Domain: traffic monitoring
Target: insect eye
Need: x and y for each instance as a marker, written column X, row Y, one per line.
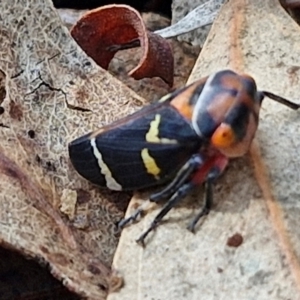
column 223, row 136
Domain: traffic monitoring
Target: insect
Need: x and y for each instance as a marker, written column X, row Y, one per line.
column 182, row 140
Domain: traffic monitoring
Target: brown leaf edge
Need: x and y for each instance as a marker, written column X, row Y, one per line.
column 10, row 169
column 112, row 281
column 103, row 31
column 292, row 7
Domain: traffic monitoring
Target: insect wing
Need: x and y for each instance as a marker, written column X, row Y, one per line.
column 136, row 152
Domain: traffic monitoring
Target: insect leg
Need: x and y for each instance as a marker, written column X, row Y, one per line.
column 208, row 170
column 208, row 202
column 134, row 216
column 179, row 195
column 220, row 163
column 189, row 167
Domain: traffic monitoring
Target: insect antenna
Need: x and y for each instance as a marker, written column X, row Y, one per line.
column 281, row 100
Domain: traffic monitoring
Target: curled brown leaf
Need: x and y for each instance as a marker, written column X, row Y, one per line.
column 105, row 30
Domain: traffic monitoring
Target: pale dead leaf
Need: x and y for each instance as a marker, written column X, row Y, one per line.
column 192, row 14
column 70, row 16
column 203, row 15
column 68, row 203
column 45, row 75
column 257, row 197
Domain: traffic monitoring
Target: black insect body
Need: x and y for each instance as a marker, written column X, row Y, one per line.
column 185, row 139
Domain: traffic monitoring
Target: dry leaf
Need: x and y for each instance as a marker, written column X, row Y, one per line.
column 105, row 30
column 70, row 16
column 191, row 14
column 54, row 93
column 204, row 14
